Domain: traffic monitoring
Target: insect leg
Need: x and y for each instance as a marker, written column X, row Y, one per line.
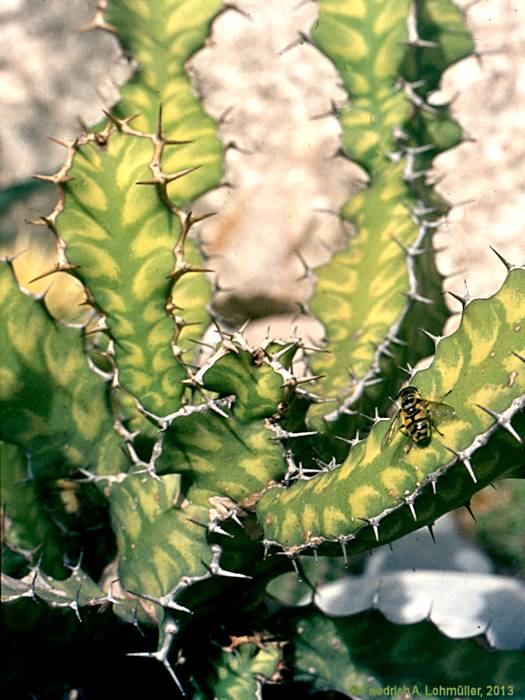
column 434, row 427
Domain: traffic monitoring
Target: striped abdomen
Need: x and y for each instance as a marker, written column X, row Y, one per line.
column 415, row 415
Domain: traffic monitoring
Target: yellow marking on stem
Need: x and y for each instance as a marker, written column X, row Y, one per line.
column 96, row 262
column 310, row 518
column 138, row 202
column 151, row 271
column 333, row 519
column 149, row 239
column 163, row 362
column 482, row 335
column 90, row 193
column 513, row 301
column 255, row 468
column 165, row 567
column 161, row 332
column 453, row 432
column 356, row 8
column 389, row 16
column 289, row 525
column 9, row 385
column 450, row 364
column 63, row 369
column 359, row 84
column 83, row 225
column 134, row 380
column 357, row 117
column 367, row 140
column 207, row 440
column 88, row 426
column 394, row 480
column 359, row 500
column 385, row 65
column 26, row 344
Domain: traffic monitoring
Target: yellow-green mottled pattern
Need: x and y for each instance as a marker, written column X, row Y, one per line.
column 258, row 389
column 222, row 456
column 31, row 527
column 53, row 406
column 442, row 23
column 122, row 237
column 157, row 540
column 475, row 365
column 359, row 295
column 161, row 35
column 371, row 268
column 367, row 48
column 237, row 674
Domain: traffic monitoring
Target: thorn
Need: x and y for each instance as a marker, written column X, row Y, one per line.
column 202, row 343
column 435, row 338
column 430, row 527
column 161, row 654
column 507, row 264
column 408, row 369
column 58, row 268
column 332, row 112
column 345, row 553
column 409, row 252
column 232, row 6
column 468, row 507
column 520, row 357
column 114, row 120
column 417, row 297
column 75, row 606
column 196, row 219
column 266, row 544
column 54, row 179
column 501, row 420
column 374, row 523
column 214, row 527
column 371, row 382
column 465, row 459
column 61, row 142
column 177, row 142
column 158, row 131
column 182, row 173
column 301, row 39
column 165, row 601
column 461, row 300
column 410, row 503
column 305, row 380
column 433, row 479
column 244, row 326
column 215, row 568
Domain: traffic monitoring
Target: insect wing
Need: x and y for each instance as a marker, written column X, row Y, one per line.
column 439, row 411
column 392, row 430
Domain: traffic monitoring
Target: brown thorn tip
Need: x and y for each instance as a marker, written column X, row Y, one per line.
column 503, row 260
column 159, row 123
column 177, row 142
column 196, row 219
column 181, row 173
column 153, row 181
column 64, row 268
column 112, row 119
column 60, row 142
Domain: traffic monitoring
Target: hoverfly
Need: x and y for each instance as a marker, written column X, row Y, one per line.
column 416, row 418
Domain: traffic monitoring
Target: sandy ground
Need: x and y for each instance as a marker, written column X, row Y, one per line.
column 281, row 161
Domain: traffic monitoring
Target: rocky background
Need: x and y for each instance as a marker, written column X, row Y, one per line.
column 272, row 93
